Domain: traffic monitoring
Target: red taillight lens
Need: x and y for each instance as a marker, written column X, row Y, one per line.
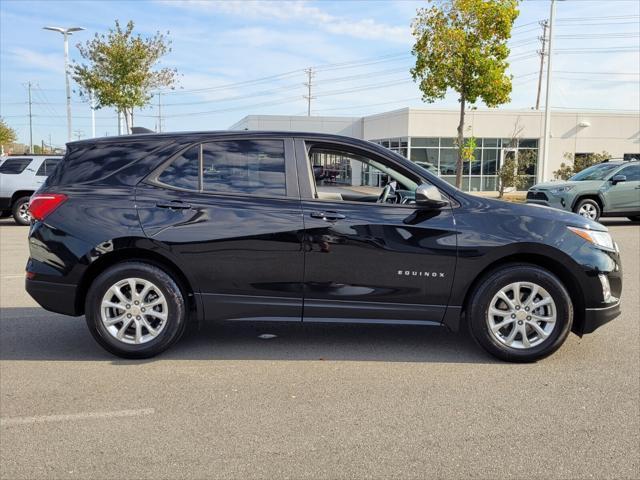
column 43, row 204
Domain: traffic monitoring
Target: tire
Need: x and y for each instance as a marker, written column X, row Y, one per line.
column 588, row 208
column 635, row 218
column 529, row 276
column 131, row 345
column 18, row 211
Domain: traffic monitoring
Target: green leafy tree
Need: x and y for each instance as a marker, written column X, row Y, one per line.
column 462, row 45
column 7, row 135
column 579, row 163
column 513, row 172
column 120, row 69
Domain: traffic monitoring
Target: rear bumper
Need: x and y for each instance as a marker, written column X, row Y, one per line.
column 596, row 317
column 55, row 297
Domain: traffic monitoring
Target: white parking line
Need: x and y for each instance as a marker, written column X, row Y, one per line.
column 5, row 422
column 13, row 276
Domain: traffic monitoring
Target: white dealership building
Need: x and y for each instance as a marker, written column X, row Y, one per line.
column 427, row 135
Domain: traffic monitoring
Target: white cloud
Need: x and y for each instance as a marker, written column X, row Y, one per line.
column 25, row 57
column 300, row 10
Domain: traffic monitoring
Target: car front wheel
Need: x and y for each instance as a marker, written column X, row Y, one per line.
column 135, row 310
column 520, row 313
column 588, row 208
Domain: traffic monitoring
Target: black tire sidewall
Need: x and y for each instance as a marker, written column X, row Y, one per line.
column 492, row 284
column 15, row 209
column 176, row 318
column 594, row 203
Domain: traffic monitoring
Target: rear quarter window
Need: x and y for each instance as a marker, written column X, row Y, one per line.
column 47, row 166
column 14, row 166
column 94, row 162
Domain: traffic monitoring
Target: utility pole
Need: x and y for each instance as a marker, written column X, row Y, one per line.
column 30, row 121
column 78, row 134
column 308, row 84
column 93, row 114
column 547, row 101
column 159, row 112
column 543, row 39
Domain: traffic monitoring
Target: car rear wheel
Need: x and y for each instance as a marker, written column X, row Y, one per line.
column 588, row 208
column 520, row 313
column 20, row 211
column 135, row 310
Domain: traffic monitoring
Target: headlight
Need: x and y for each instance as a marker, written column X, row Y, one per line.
column 559, row 190
column 600, row 239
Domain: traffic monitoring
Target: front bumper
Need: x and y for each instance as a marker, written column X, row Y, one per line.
column 596, row 317
column 549, row 200
column 55, row 297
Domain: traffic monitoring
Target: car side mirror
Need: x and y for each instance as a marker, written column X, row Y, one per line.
column 618, row 178
column 428, row 196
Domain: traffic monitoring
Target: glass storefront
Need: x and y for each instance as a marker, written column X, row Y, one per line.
column 439, row 155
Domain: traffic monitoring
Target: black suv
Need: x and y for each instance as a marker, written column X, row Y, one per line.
column 146, row 232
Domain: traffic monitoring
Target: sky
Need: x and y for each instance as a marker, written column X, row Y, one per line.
column 237, row 58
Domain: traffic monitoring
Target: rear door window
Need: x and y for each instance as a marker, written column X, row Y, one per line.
column 248, row 167
column 182, row 172
column 47, row 166
column 14, row 166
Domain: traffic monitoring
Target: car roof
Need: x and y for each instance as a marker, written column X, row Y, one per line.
column 212, row 134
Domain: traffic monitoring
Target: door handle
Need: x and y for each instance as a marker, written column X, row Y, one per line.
column 330, row 216
column 174, row 205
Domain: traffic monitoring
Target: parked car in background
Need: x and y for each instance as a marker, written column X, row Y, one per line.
column 145, row 233
column 608, row 189
column 20, row 177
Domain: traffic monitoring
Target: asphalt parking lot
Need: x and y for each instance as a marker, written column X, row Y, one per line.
column 313, row 402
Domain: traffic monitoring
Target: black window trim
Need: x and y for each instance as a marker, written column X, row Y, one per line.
column 291, row 182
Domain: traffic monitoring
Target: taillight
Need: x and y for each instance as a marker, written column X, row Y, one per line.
column 42, row 205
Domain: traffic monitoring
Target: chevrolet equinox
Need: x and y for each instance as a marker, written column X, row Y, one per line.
column 147, row 232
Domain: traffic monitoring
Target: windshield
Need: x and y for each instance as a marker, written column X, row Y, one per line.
column 596, row 172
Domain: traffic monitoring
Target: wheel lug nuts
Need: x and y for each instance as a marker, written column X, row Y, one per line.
column 526, row 309
column 528, row 318
column 519, row 322
column 142, row 309
column 513, row 315
column 138, row 317
column 136, row 302
column 128, row 315
column 517, row 307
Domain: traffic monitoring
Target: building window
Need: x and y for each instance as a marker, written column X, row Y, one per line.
column 439, row 154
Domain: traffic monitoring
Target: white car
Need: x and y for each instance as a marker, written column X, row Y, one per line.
column 20, row 177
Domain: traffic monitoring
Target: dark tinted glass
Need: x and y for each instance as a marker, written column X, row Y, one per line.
column 47, row 166
column 90, row 162
column 183, row 171
column 244, row 166
column 424, row 142
column 632, row 172
column 13, row 166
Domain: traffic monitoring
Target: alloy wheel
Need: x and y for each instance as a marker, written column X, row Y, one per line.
column 134, row 311
column 23, row 212
column 521, row 315
column 588, row 211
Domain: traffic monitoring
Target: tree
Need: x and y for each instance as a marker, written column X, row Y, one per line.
column 579, row 163
column 7, row 135
column 462, row 45
column 513, row 171
column 120, row 70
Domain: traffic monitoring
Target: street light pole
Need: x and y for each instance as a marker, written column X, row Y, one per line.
column 65, row 33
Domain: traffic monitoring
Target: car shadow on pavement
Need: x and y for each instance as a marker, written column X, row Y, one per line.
column 34, row 334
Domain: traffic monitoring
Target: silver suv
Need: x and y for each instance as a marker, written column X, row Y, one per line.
column 20, row 177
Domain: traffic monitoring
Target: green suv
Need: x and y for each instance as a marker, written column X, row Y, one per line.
column 609, row 189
